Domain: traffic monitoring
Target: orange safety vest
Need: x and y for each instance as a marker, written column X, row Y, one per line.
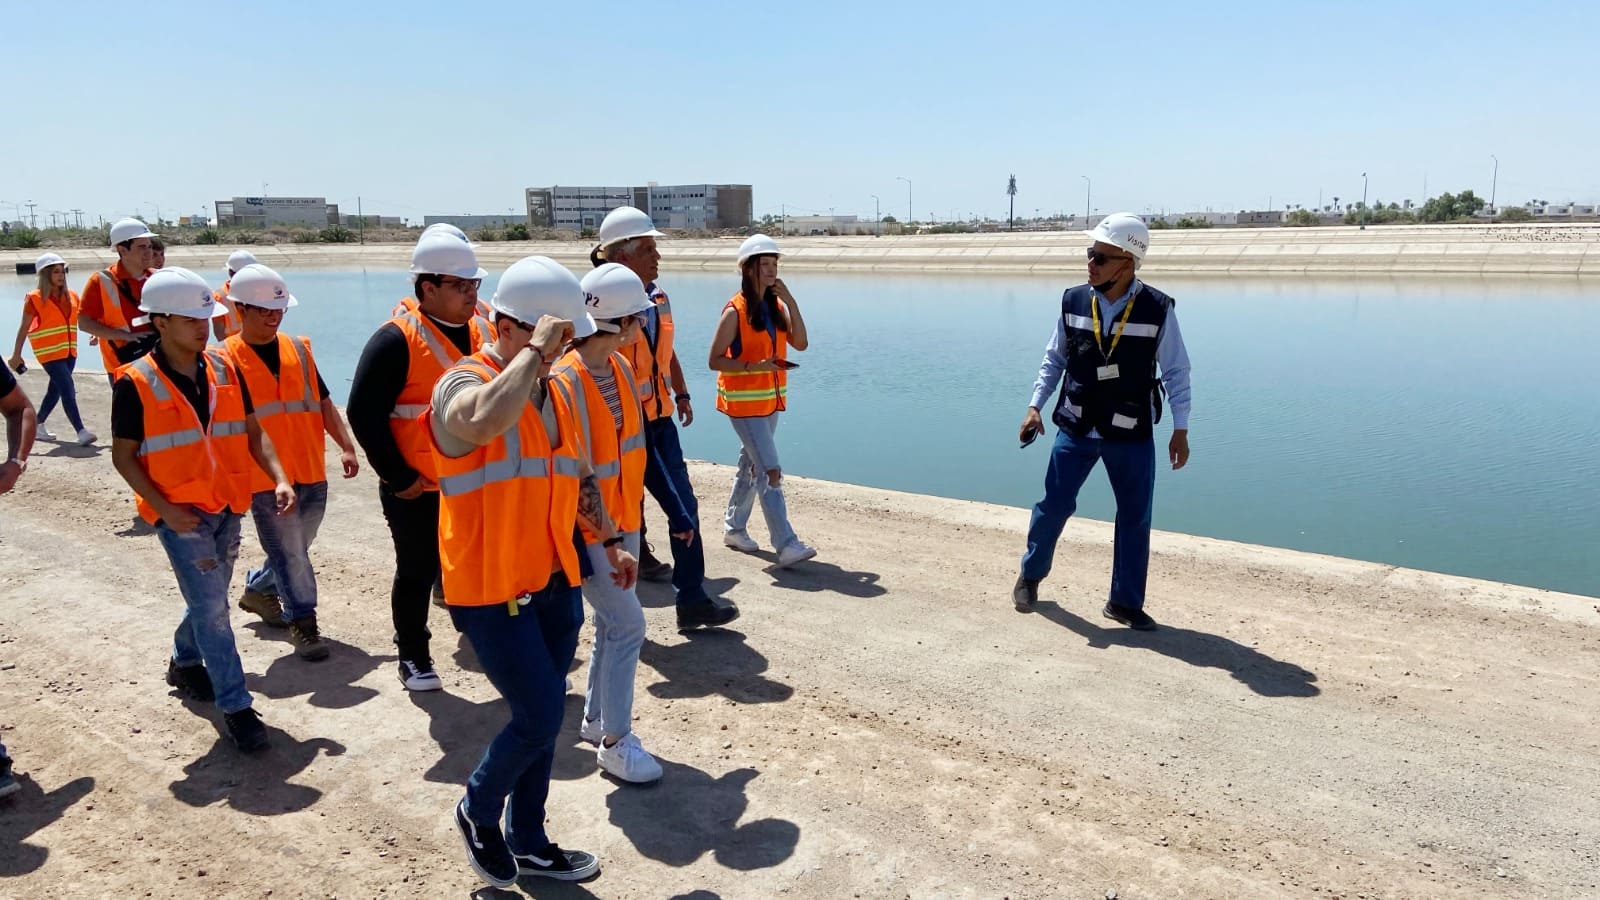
column 431, row 354
column 53, row 333
column 117, row 310
column 617, row 455
column 409, row 304
column 744, row 395
column 652, row 363
column 507, row 508
column 288, row 407
column 208, row 468
column 232, row 323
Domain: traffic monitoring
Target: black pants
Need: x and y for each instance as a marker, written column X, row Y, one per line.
column 414, row 525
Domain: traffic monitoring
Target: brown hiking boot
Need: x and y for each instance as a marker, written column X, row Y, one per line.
column 264, row 605
column 308, row 642
column 438, row 595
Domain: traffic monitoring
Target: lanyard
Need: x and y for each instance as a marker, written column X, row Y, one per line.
column 1116, row 337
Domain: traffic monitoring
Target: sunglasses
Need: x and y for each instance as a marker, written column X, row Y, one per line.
column 461, row 284
column 1100, row 259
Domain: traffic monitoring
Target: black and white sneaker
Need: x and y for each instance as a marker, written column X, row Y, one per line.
column 418, row 675
column 486, row 850
column 562, row 865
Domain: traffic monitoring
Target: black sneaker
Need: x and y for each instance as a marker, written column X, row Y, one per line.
column 708, row 614
column 1127, row 615
column 1025, row 593
column 8, row 781
column 554, row 862
column 307, row 641
column 267, row 606
column 418, row 675
column 246, row 730
column 486, row 850
column 191, row 681
column 652, row 569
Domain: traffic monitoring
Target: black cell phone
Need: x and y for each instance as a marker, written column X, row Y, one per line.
column 1030, row 436
column 785, row 364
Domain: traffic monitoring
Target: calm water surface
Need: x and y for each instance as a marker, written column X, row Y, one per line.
column 1449, row 426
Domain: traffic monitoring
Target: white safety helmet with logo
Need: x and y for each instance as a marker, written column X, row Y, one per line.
column 1124, row 230
column 442, row 253
column 176, row 291
column 238, row 259
column 625, row 223
column 613, row 292
column 537, row 286
column 129, row 230
column 47, row 260
column 757, row 245
column 256, row 285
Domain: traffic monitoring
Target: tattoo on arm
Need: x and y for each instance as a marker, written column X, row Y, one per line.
column 591, row 507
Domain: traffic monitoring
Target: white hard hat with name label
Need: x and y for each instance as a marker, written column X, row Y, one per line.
column 1124, row 230
column 129, row 230
column 757, row 245
column 47, row 260
column 625, row 223
column 613, row 291
column 238, row 259
column 537, row 286
column 257, row 285
column 442, row 253
column 176, row 291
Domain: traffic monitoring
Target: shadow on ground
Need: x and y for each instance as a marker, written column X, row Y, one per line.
column 814, row 576
column 331, row 683
column 257, row 784
column 688, row 814
column 712, row 661
column 1261, row 673
column 28, row 811
column 659, row 595
column 462, row 728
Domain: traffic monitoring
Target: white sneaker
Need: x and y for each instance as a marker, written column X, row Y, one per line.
column 796, row 552
column 591, row 731
column 44, row 434
column 419, row 676
column 740, row 541
column 628, row 761
column 86, row 437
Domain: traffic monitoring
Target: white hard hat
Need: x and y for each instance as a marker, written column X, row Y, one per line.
column 613, row 291
column 1124, row 230
column 129, row 229
column 257, row 285
column 238, row 259
column 47, row 260
column 757, row 245
column 442, row 253
column 625, row 223
column 176, row 291
column 537, row 286
column 444, row 228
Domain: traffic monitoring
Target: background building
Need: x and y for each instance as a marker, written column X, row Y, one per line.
column 264, row 212
column 671, row 206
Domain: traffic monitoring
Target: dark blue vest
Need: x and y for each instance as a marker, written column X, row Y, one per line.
column 1124, row 408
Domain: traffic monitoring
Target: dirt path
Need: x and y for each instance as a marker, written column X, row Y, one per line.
column 880, row 723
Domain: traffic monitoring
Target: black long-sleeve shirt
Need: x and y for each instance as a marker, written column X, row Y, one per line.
column 380, row 376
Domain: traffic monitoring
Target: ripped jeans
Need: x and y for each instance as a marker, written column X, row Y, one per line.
column 202, row 560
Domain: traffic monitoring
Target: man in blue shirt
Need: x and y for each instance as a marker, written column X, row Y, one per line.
column 1112, row 335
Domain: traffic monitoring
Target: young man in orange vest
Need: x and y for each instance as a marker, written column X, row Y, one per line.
column 111, row 298
column 393, row 383
column 20, row 425
column 627, row 236
column 227, row 325
column 294, row 407
column 515, row 482
column 185, row 438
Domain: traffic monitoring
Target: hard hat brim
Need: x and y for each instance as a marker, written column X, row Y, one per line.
column 652, row 233
column 292, row 302
column 217, row 312
column 481, row 274
column 581, row 328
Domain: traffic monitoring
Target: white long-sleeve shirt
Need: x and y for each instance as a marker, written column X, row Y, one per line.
column 1171, row 356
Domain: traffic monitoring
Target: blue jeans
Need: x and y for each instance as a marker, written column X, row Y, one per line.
column 526, row 657
column 287, row 541
column 1131, row 466
column 758, row 452
column 202, row 560
column 61, row 390
column 666, row 476
column 619, row 629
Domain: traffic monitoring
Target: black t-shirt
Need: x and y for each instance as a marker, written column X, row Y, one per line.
column 269, row 355
column 8, row 382
column 127, row 410
column 379, row 378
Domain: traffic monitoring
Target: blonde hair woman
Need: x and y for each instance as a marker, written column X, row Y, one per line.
column 50, row 323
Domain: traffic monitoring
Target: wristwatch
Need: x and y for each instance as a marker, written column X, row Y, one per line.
column 679, row 398
column 22, row 464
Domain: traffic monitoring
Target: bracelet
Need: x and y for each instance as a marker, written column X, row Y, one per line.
column 680, row 397
column 610, row 542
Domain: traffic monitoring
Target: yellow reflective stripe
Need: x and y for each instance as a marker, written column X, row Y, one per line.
column 408, row 410
column 763, row 394
column 171, row 440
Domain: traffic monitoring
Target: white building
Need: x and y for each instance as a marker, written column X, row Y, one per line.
column 670, row 206
column 264, row 212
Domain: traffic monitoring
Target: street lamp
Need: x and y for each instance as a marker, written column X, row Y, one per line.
column 1495, row 182
column 1363, row 201
column 877, row 216
column 908, row 196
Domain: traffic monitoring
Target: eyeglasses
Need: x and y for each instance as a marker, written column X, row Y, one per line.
column 461, row 284
column 1100, row 259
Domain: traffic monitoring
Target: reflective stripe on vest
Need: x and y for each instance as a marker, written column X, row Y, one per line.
column 288, row 406
column 753, row 394
column 190, row 465
column 55, row 334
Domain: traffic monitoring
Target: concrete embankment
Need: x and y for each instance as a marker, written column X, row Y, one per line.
column 1417, row 250
column 879, row 723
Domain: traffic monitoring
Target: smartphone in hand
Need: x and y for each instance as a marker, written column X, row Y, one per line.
column 1029, row 436
column 785, row 364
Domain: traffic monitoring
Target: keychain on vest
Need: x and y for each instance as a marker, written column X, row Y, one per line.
column 1109, row 371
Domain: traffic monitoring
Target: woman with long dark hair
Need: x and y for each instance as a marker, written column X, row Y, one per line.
column 750, row 356
column 50, row 324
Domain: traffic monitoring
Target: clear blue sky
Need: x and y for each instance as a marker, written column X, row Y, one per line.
column 456, row 107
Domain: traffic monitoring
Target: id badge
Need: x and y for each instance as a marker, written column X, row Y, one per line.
column 1121, row 421
column 1106, row 373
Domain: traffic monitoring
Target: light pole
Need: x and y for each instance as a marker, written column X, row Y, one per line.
column 1088, row 189
column 33, row 220
column 877, row 216
column 1363, row 201
column 908, row 196
column 1495, row 182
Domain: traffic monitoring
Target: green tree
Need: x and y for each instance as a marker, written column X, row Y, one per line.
column 1301, row 218
column 890, row 220
column 516, row 231
column 1514, row 214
